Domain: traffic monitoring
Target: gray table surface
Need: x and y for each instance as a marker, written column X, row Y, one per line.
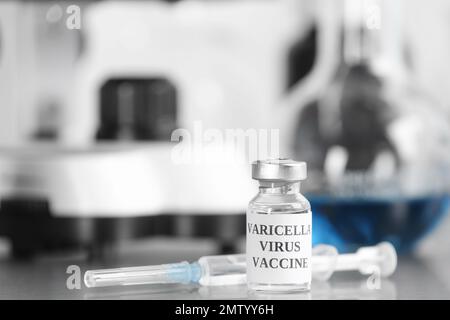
column 45, row 277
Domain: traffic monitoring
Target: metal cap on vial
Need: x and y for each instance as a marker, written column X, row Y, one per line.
column 279, row 169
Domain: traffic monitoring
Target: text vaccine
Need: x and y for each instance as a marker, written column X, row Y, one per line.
column 279, row 229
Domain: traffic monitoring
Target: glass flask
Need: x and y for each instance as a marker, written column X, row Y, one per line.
column 376, row 144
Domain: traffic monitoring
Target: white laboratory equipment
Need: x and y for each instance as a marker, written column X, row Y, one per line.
column 106, row 98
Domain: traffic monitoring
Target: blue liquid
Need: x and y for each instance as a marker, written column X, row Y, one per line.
column 349, row 223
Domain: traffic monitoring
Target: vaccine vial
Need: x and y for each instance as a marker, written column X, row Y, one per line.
column 279, row 229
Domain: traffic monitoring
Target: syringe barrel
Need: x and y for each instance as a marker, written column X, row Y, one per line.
column 348, row 261
column 223, row 270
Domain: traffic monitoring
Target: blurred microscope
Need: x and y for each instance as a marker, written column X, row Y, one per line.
column 88, row 109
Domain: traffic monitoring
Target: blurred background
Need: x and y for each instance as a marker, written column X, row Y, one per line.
column 91, row 93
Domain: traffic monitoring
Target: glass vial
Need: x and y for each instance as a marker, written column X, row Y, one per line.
column 279, row 229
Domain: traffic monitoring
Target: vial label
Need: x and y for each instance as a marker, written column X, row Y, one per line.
column 279, row 248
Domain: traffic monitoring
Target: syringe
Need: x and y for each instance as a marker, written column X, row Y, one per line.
column 231, row 269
